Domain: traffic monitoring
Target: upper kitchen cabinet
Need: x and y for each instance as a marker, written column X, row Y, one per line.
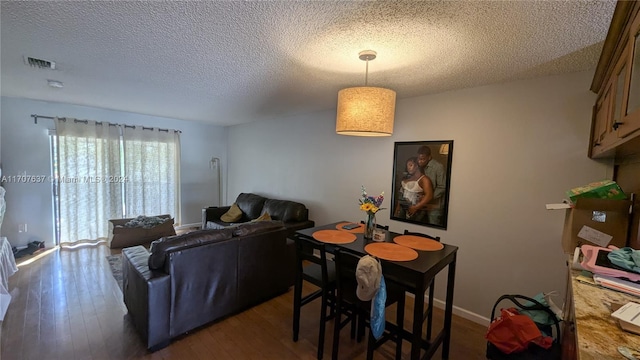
column 615, row 128
column 631, row 120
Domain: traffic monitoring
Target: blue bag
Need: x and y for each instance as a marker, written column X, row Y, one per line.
column 377, row 310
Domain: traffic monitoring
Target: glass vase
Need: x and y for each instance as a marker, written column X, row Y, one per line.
column 369, row 226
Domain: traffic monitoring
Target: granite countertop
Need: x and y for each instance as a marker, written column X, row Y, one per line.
column 598, row 335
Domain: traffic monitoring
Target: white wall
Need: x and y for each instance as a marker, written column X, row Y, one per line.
column 517, row 146
column 25, row 150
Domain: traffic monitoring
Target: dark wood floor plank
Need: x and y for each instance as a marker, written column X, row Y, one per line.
column 66, row 305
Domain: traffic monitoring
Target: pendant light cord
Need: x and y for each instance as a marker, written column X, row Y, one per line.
column 366, row 74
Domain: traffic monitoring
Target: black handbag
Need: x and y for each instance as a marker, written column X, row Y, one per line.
column 533, row 352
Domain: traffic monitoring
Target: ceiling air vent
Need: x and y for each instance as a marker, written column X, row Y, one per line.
column 40, row 63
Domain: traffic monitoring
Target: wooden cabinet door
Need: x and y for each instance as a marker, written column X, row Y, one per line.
column 603, row 132
column 631, row 101
column 619, row 92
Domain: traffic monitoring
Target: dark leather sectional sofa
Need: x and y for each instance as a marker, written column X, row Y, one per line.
column 189, row 280
column 294, row 215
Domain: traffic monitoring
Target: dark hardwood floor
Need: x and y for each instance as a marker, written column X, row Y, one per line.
column 66, row 305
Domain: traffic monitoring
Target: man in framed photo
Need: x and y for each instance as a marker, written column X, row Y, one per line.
column 435, row 171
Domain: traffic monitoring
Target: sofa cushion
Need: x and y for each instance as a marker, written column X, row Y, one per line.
column 256, row 227
column 285, row 210
column 264, row 217
column 160, row 247
column 250, row 204
column 234, row 214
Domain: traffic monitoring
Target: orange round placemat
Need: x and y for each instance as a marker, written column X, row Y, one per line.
column 334, row 236
column 390, row 251
column 358, row 230
column 418, row 243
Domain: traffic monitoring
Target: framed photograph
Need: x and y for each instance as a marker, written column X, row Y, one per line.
column 420, row 184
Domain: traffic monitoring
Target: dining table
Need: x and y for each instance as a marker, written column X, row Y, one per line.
column 413, row 273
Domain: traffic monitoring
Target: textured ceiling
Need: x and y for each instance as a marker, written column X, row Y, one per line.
column 235, row 62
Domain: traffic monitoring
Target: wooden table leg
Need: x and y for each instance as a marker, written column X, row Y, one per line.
column 418, row 316
column 449, row 309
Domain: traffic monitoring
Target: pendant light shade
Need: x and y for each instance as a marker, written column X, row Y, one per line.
column 366, row 110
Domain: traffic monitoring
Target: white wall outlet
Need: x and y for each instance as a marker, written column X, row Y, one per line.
column 22, row 227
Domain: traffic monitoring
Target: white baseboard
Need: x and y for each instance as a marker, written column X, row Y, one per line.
column 463, row 313
column 186, row 226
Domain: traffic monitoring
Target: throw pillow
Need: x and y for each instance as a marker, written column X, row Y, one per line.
column 234, row 214
column 263, row 217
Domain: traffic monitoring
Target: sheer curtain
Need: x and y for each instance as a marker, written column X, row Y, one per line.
column 88, row 157
column 152, row 171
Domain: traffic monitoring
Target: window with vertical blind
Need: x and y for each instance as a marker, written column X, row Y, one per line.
column 108, row 171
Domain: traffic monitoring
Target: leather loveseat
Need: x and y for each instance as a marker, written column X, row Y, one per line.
column 294, row 215
column 189, row 280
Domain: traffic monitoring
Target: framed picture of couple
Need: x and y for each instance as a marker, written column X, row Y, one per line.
column 421, row 178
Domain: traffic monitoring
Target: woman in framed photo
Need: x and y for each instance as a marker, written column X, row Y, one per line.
column 434, row 159
column 416, row 192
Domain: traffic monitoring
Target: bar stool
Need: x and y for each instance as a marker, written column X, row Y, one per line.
column 429, row 313
column 347, row 303
column 319, row 272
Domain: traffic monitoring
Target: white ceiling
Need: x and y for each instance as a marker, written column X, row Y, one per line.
column 236, row 62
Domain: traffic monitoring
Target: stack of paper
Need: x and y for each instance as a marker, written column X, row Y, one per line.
column 629, row 317
column 617, row 284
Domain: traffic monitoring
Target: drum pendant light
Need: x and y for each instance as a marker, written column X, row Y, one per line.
column 366, row 110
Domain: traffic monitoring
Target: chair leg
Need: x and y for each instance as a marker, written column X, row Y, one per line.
column 400, row 324
column 430, row 311
column 332, row 303
column 371, row 344
column 336, row 331
column 361, row 324
column 354, row 318
column 323, row 320
column 297, row 299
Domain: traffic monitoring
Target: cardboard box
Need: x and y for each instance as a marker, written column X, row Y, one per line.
column 605, row 189
column 602, row 221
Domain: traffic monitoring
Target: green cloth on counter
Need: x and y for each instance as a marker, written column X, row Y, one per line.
column 627, row 258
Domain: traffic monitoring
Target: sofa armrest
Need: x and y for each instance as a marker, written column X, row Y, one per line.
column 264, row 266
column 290, row 262
column 119, row 222
column 203, row 283
column 147, row 295
column 213, row 214
column 292, row 227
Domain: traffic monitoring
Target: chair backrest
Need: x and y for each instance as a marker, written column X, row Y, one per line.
column 314, row 252
column 436, row 238
column 346, row 264
column 378, row 226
